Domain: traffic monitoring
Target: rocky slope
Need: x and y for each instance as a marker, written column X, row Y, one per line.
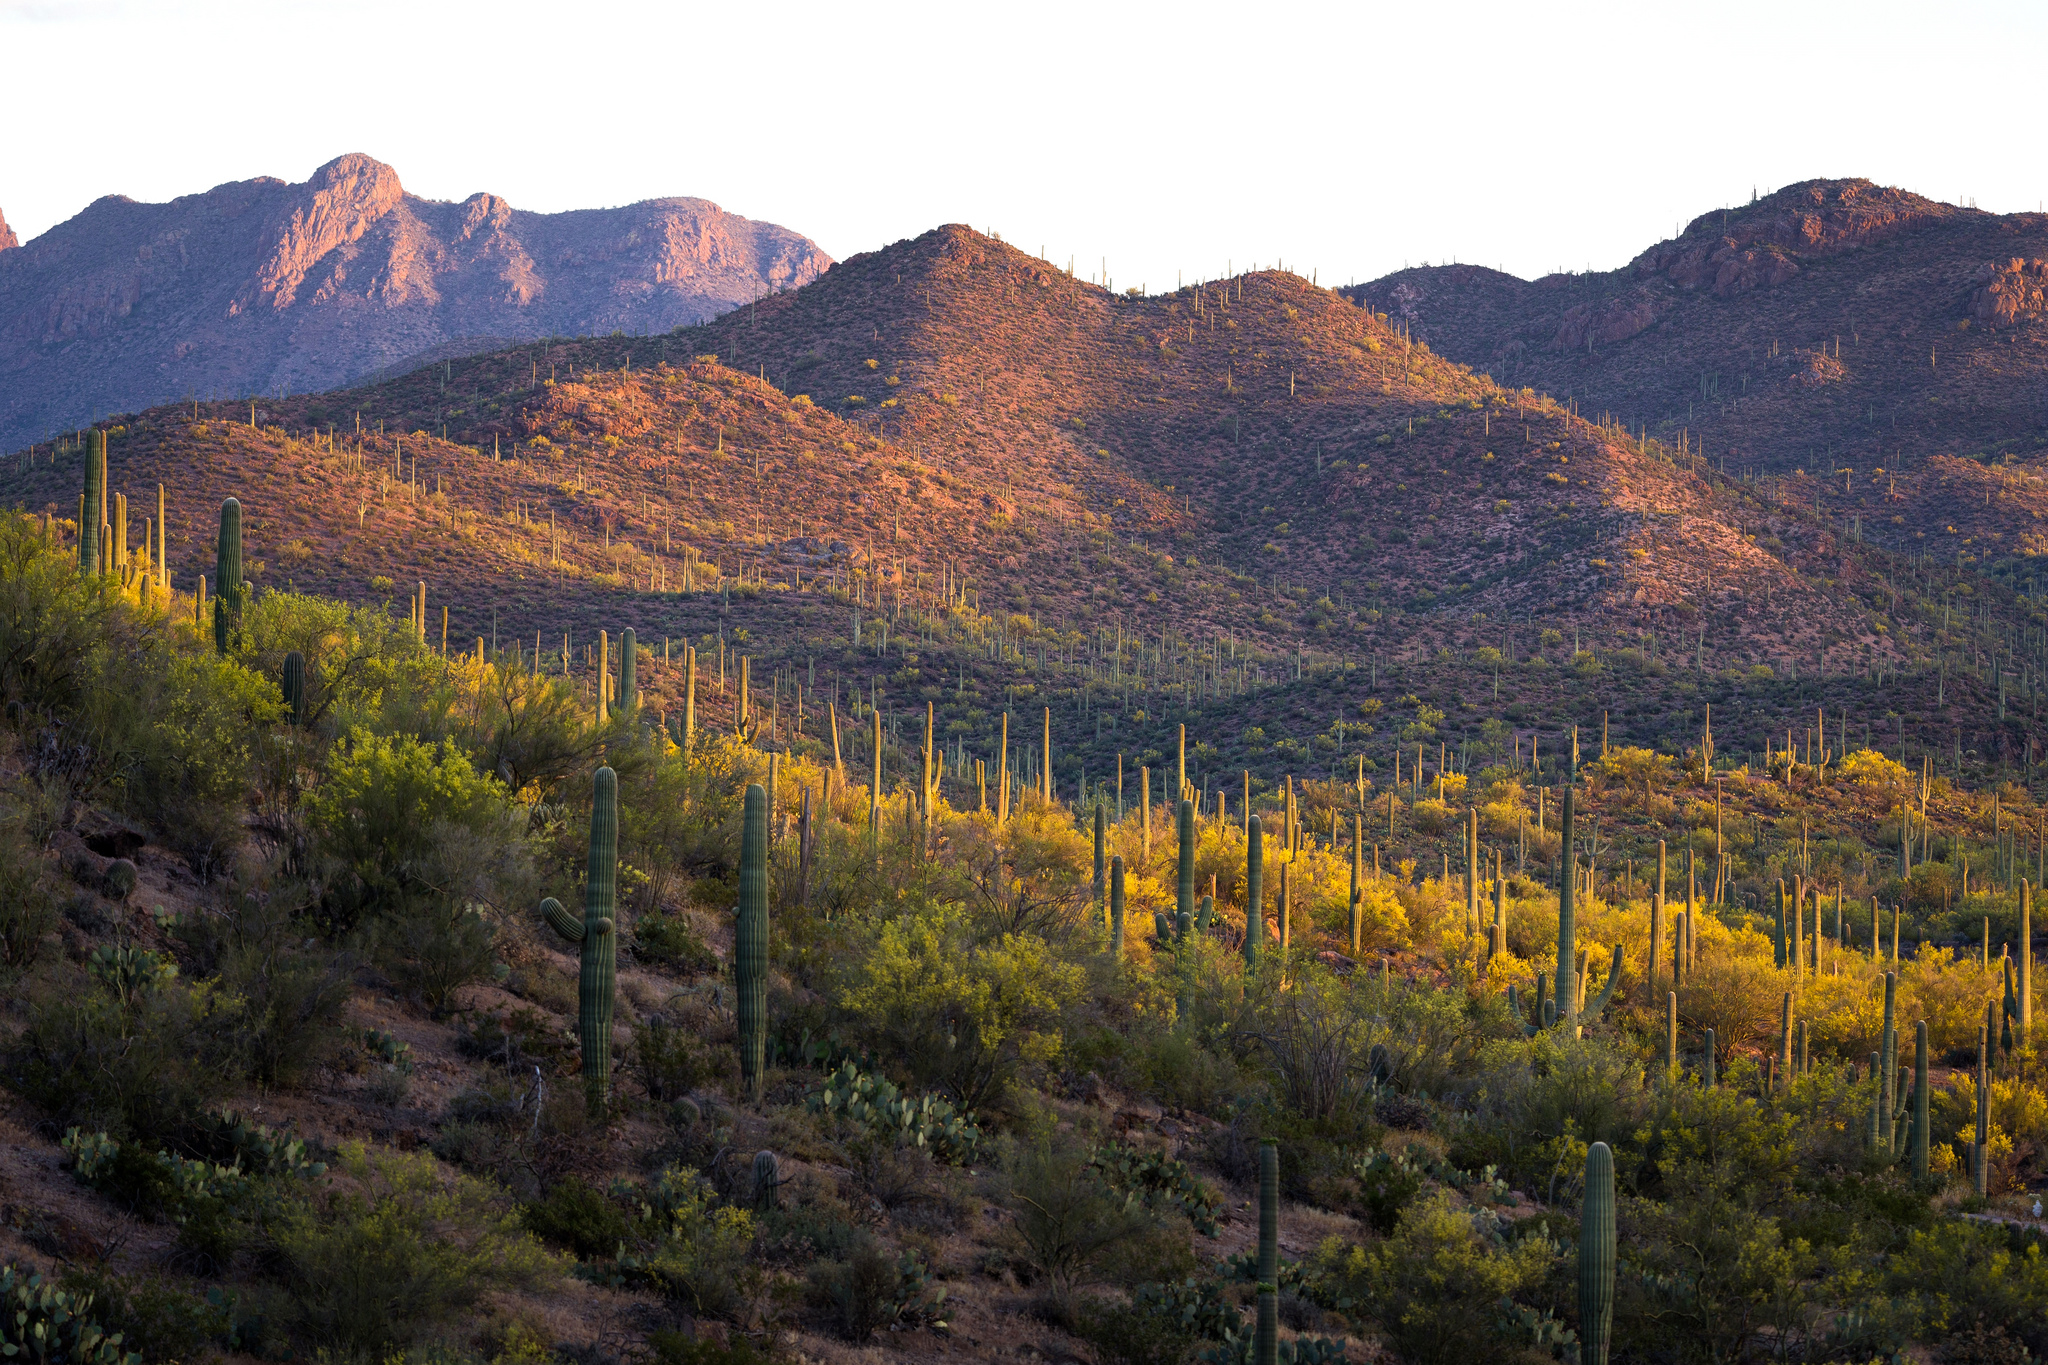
column 263, row 287
column 1834, row 324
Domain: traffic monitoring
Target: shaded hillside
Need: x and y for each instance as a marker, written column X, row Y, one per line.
column 1831, row 324
column 264, row 287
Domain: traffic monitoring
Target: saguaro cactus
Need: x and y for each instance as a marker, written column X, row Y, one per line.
column 1254, row 889
column 1116, row 907
column 1266, row 1337
column 90, row 507
column 1567, row 935
column 227, row 575
column 1099, row 886
column 1184, row 881
column 1596, row 1257
column 294, row 686
column 596, row 933
column 1920, row 1099
column 750, row 941
column 629, row 690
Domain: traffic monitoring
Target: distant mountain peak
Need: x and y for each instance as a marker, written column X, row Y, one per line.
column 264, row 286
column 7, row 237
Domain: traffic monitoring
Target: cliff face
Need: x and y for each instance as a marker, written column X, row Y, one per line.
column 259, row 286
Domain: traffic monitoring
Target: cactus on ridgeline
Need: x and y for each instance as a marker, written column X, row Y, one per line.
column 1266, row 1335
column 294, row 686
column 597, row 935
column 629, row 689
column 227, row 576
column 1254, row 889
column 1596, row 1257
column 750, row 941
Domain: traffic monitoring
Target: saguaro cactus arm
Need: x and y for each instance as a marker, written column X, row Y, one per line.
column 561, row 921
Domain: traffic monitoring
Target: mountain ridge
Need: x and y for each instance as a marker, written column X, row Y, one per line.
column 261, row 286
column 1832, row 319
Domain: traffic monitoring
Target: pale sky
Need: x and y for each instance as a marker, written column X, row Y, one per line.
column 1348, row 139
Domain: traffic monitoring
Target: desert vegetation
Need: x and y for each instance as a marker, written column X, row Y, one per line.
column 380, row 996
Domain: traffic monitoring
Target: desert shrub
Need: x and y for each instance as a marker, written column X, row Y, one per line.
column 411, row 834
column 675, row 1348
column 147, row 1065
column 869, row 1291
column 1721, row 1281
column 1954, row 1276
column 191, row 767
column 28, row 907
column 392, row 1247
column 668, row 1060
column 289, row 992
column 962, row 1012
column 1069, row 1222
column 578, row 1218
column 670, row 940
column 686, row 1245
column 1436, row 1286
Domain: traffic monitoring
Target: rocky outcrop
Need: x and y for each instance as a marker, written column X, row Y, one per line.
column 7, row 237
column 261, row 286
column 1758, row 246
column 1615, row 320
column 2007, row 291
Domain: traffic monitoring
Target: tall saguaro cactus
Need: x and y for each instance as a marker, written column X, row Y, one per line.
column 90, row 508
column 750, row 941
column 1266, row 1336
column 1116, row 907
column 597, row 935
column 629, row 690
column 1920, row 1099
column 1254, row 888
column 227, row 575
column 1567, row 932
column 294, row 686
column 1596, row 1257
column 1184, row 880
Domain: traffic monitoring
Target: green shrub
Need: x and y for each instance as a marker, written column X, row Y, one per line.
column 1437, row 1285
column 152, row 1066
column 579, row 1218
column 395, row 1248
column 28, row 907
column 868, row 1291
column 686, row 1245
column 668, row 1060
column 674, row 1348
column 670, row 940
column 1069, row 1223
